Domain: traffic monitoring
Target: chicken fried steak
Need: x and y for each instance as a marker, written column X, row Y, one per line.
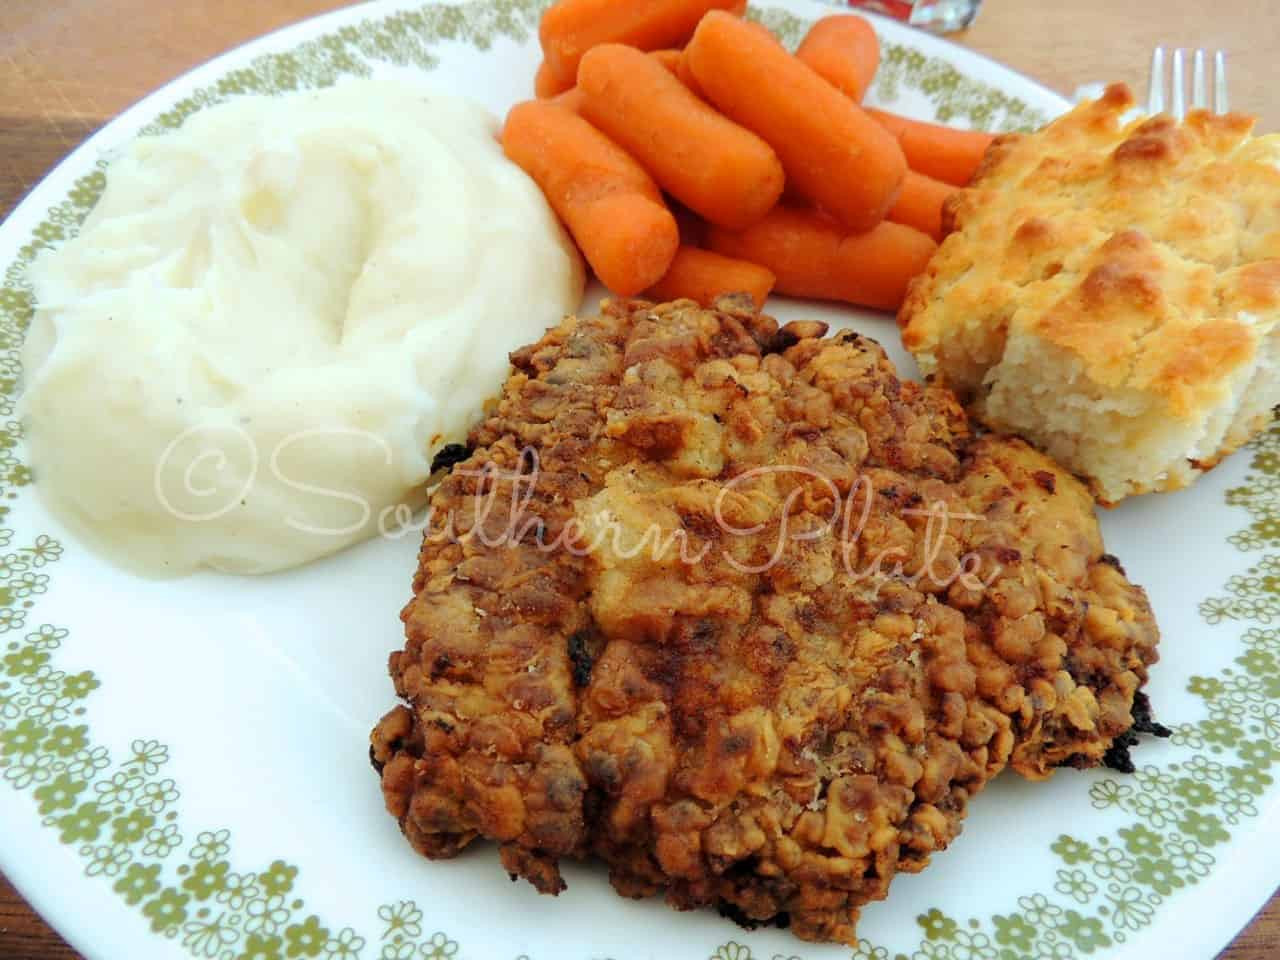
column 752, row 626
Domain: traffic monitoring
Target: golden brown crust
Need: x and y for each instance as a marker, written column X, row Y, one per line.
column 762, row 723
column 1140, row 258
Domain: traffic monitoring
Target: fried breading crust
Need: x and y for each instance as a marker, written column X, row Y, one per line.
column 800, row 705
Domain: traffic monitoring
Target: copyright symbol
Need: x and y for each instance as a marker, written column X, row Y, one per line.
column 201, row 454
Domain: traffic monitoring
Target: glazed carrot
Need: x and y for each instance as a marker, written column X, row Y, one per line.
column 833, row 153
column 944, row 153
column 702, row 275
column 710, row 164
column 813, row 256
column 844, row 51
column 572, row 27
column 546, row 84
column 610, row 205
column 920, row 204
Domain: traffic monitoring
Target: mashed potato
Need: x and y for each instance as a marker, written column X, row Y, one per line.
column 275, row 316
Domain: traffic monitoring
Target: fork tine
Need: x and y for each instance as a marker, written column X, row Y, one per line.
column 1177, row 102
column 1220, row 104
column 1155, row 85
column 1199, row 97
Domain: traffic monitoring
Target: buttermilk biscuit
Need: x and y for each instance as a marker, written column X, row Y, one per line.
column 1110, row 291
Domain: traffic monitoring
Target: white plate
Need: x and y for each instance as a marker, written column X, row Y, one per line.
column 185, row 764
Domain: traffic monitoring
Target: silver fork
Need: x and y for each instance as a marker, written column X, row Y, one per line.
column 1177, row 84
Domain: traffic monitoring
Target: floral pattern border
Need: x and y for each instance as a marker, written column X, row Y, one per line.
column 121, row 813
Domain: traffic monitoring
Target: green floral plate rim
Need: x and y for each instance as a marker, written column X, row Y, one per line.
column 115, row 810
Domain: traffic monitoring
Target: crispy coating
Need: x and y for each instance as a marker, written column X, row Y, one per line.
column 725, row 644
column 1109, row 289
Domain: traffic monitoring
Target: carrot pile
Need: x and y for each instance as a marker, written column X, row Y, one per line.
column 691, row 155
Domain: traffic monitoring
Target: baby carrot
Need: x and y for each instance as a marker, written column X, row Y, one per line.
column 920, row 204
column 572, row 98
column 710, row 164
column 702, row 275
column 944, row 153
column 572, row 27
column 610, row 205
column 546, row 84
column 833, row 153
column 813, row 256
column 844, row 51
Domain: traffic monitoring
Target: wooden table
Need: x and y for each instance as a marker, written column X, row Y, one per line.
column 67, row 66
